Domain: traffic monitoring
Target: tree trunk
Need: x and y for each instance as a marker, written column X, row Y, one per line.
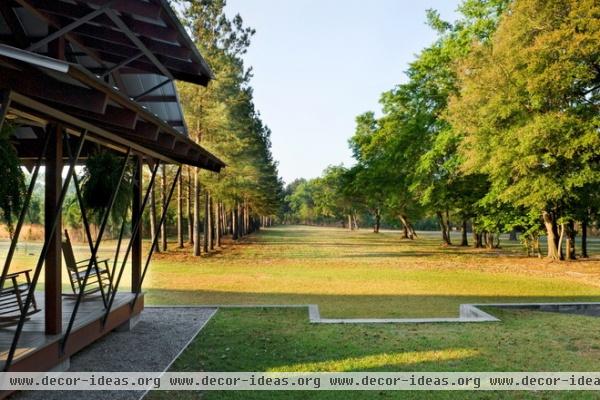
column 570, row 246
column 206, row 238
column 584, row 225
column 464, row 241
column 234, row 223
column 553, row 241
column 196, row 219
column 350, row 227
column 377, row 221
column 163, row 200
column 218, row 225
column 448, row 227
column 189, row 207
column 404, row 232
column 180, row 211
column 409, row 230
column 246, row 217
column 153, row 222
column 561, row 238
column 212, row 222
column 444, row 228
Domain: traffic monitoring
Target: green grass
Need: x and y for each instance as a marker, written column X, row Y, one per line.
column 354, row 274
column 283, row 340
column 361, row 274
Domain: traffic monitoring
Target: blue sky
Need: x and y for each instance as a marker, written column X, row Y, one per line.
column 319, row 63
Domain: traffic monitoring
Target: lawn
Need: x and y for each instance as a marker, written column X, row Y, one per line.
column 355, row 274
column 271, row 339
column 361, row 274
column 352, row 274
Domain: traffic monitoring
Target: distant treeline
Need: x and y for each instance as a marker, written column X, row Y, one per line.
column 496, row 130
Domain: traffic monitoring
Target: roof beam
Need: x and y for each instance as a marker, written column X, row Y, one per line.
column 113, row 36
column 58, row 92
column 116, row 116
column 76, row 11
column 4, row 104
column 33, row 7
column 149, row 55
column 157, row 99
column 68, row 28
column 147, row 10
column 181, row 148
column 9, row 15
column 122, row 64
column 116, row 55
column 166, row 140
column 146, row 130
column 152, row 89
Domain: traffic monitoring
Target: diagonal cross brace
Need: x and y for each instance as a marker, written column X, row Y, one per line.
column 44, row 253
column 134, row 232
column 155, row 239
column 95, row 249
column 139, row 44
column 68, row 28
column 22, row 215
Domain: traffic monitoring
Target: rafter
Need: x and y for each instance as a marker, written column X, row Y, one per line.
column 58, row 92
column 149, row 55
column 52, row 21
column 147, row 10
column 9, row 15
column 68, row 28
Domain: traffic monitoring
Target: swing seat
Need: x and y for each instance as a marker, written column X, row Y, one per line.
column 99, row 281
column 12, row 298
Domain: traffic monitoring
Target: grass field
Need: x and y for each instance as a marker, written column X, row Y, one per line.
column 357, row 274
column 283, row 340
column 363, row 274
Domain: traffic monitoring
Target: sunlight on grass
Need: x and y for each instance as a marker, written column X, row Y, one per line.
column 378, row 361
column 353, row 274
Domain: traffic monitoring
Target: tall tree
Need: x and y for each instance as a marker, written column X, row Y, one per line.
column 528, row 107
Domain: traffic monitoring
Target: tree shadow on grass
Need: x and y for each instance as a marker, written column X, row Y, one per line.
column 351, row 306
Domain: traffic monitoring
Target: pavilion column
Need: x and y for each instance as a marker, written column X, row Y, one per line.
column 136, row 215
column 53, row 261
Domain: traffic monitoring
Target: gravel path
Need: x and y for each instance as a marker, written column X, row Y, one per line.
column 156, row 340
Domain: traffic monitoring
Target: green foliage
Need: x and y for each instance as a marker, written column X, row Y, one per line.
column 12, row 180
column 223, row 117
column 528, row 108
column 497, row 123
column 100, row 179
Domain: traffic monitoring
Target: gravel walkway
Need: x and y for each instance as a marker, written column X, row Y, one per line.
column 156, row 340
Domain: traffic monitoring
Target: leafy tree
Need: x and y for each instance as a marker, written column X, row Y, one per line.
column 528, row 107
column 12, row 184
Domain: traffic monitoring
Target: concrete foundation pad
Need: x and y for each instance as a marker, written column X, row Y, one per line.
column 129, row 324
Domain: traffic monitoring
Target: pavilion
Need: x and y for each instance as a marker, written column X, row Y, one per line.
column 75, row 75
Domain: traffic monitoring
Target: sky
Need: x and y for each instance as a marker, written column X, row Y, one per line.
column 318, row 64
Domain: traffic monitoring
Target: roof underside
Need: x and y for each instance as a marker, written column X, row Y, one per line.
column 135, row 46
column 56, row 91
